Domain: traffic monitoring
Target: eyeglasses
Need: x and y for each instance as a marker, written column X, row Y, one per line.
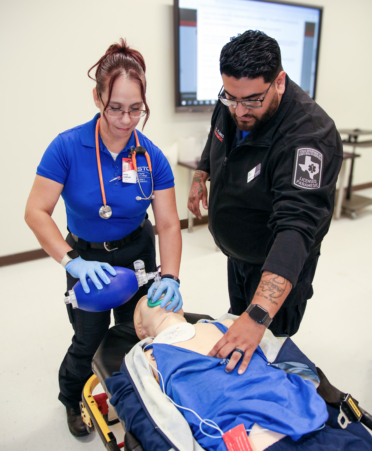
column 118, row 112
column 250, row 104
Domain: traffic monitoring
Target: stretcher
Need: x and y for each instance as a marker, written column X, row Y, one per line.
column 109, row 358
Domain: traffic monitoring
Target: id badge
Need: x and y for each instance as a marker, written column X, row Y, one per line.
column 128, row 173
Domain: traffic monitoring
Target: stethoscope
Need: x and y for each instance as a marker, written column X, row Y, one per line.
column 105, row 211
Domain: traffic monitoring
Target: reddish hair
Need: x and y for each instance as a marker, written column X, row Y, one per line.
column 118, row 60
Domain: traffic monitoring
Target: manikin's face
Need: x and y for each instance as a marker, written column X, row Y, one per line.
column 252, row 89
column 126, row 95
column 148, row 319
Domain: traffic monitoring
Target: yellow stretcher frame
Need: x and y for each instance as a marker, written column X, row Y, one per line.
column 93, row 417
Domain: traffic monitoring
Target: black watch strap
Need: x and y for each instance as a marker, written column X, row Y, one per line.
column 259, row 314
column 73, row 254
column 171, row 276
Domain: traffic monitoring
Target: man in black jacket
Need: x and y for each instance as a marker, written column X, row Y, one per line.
column 271, row 193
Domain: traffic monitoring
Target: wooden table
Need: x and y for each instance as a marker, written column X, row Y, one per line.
column 341, row 189
column 352, row 203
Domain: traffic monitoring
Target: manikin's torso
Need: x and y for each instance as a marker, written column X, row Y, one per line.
column 206, row 336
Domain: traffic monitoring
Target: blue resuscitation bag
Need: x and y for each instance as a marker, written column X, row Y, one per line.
column 121, row 289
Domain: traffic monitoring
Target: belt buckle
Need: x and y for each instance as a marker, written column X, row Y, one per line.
column 107, row 249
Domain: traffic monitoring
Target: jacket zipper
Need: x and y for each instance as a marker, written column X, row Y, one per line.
column 220, row 188
column 217, row 198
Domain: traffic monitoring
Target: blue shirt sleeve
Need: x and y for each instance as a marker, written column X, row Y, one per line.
column 54, row 164
column 162, row 172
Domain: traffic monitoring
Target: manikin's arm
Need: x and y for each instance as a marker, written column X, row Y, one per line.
column 245, row 334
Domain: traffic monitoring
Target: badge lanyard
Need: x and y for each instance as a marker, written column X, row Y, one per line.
column 105, row 211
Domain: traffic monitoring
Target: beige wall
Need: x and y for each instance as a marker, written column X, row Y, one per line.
column 47, row 47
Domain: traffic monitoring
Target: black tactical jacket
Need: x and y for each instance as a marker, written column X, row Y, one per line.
column 272, row 194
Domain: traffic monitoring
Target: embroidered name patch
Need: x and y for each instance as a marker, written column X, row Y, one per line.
column 253, row 173
column 307, row 168
column 143, row 174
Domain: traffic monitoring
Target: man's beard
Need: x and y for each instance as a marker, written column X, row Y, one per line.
column 258, row 123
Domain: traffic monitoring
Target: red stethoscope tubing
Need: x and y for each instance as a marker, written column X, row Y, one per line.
column 133, row 160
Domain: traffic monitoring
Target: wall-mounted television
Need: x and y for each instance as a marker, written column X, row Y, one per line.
column 203, row 27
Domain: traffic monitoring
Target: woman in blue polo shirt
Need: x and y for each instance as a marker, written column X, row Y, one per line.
column 106, row 216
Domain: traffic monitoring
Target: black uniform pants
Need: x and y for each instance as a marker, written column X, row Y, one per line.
column 243, row 280
column 91, row 327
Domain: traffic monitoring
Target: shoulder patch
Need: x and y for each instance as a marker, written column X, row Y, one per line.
column 307, row 168
column 220, row 136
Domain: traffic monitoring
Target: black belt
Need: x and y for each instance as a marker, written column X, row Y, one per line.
column 109, row 246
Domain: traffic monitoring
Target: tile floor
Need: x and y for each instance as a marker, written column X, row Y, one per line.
column 336, row 332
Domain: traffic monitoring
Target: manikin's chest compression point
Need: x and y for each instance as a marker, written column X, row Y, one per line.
column 176, row 333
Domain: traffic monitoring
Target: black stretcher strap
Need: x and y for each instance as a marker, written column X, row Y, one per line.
column 345, row 401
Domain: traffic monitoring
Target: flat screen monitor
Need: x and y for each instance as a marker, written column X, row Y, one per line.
column 203, row 27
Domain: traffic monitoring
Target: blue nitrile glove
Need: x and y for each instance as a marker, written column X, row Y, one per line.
column 81, row 269
column 171, row 289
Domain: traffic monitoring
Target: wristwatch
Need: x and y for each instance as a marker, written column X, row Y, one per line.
column 259, row 314
column 70, row 255
column 171, row 276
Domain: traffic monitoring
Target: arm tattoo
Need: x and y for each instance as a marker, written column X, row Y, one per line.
column 272, row 287
column 266, row 297
column 198, row 176
column 197, row 180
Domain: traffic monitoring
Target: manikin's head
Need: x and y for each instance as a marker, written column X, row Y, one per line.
column 150, row 321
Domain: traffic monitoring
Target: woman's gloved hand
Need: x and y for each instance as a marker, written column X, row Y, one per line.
column 171, row 289
column 81, row 269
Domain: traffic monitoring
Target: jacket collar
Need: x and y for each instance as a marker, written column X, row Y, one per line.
column 265, row 135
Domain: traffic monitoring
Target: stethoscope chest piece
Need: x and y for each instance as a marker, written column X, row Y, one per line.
column 105, row 212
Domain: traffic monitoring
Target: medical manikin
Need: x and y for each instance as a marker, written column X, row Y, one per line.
column 267, row 401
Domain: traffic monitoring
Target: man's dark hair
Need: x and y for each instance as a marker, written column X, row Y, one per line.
column 252, row 54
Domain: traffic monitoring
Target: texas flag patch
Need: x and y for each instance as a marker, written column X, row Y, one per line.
column 307, row 168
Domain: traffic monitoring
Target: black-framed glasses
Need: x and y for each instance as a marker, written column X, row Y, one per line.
column 118, row 112
column 250, row 104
